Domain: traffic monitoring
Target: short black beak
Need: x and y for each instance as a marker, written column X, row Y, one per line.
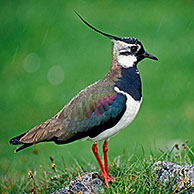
column 147, row 55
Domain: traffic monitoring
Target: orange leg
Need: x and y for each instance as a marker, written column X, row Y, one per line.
column 95, row 151
column 103, row 170
column 105, row 150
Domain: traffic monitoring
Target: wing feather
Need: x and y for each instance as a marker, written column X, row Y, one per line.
column 103, row 115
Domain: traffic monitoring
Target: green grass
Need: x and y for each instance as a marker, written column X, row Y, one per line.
column 134, row 174
column 37, row 36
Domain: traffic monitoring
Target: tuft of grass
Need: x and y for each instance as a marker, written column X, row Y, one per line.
column 134, row 174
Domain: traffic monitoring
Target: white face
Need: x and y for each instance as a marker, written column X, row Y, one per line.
column 125, row 53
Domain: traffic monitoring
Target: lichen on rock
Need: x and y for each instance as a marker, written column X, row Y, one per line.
column 180, row 177
column 85, row 183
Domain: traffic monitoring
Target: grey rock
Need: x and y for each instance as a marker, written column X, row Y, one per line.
column 86, row 183
column 180, row 177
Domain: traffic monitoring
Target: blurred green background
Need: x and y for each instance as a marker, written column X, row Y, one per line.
column 48, row 55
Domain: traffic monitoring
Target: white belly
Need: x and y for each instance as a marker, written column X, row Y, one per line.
column 132, row 108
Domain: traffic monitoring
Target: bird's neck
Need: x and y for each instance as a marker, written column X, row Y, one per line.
column 126, row 79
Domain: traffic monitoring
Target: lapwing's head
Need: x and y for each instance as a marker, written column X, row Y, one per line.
column 128, row 51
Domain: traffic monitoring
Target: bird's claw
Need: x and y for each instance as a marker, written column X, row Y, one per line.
column 107, row 178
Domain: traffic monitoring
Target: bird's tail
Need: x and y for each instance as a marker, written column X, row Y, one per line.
column 16, row 141
column 46, row 131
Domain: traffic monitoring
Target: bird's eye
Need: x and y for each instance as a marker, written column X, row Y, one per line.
column 126, row 53
column 133, row 48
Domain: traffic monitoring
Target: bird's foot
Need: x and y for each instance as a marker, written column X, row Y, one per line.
column 107, row 178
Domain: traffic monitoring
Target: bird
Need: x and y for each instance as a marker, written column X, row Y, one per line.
column 102, row 109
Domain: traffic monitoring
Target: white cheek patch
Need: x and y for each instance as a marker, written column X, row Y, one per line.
column 126, row 61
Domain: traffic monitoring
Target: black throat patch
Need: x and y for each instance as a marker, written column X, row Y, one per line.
column 130, row 82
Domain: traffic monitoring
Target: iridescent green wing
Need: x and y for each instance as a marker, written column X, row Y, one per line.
column 91, row 112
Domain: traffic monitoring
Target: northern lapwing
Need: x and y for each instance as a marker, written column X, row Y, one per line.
column 102, row 109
